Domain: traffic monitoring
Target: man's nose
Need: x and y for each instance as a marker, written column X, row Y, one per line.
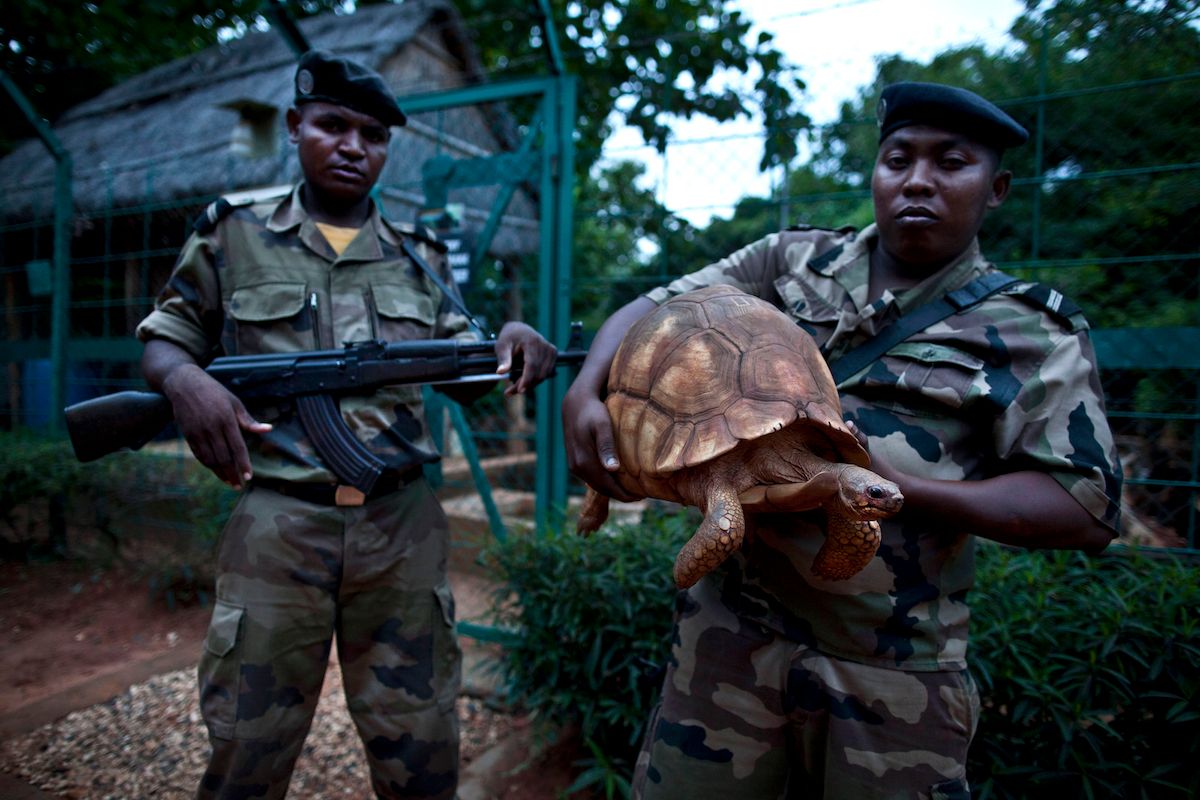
column 351, row 143
column 919, row 179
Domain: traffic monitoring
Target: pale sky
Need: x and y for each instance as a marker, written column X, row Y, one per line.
column 835, row 43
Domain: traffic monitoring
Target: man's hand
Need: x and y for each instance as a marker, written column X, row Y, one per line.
column 587, row 428
column 591, row 448
column 212, row 419
column 517, row 341
column 209, row 416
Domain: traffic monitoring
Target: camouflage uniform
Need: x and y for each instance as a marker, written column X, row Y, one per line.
column 292, row 573
column 784, row 684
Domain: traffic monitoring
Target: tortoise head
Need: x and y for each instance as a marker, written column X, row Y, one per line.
column 867, row 495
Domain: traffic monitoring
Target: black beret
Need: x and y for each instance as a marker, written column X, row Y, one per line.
column 324, row 77
column 949, row 108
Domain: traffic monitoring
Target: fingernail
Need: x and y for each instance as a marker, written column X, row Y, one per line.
column 611, row 463
column 246, row 476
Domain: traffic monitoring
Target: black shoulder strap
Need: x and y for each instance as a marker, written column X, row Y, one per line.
column 919, row 319
column 216, row 211
column 451, row 296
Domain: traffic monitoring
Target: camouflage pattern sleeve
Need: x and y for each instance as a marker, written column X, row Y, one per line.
column 1058, row 422
column 188, row 310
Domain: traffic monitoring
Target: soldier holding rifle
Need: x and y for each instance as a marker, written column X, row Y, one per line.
column 304, row 556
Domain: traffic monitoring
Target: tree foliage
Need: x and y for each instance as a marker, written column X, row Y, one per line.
column 647, row 61
column 1104, row 89
column 640, row 61
column 60, row 54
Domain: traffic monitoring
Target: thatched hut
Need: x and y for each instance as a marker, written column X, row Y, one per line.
column 151, row 152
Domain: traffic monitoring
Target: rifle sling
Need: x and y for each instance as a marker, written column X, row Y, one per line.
column 917, row 320
column 458, row 304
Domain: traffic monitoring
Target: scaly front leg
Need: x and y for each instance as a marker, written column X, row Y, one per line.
column 718, row 536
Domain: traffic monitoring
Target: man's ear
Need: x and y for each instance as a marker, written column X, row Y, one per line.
column 1001, row 183
column 293, row 125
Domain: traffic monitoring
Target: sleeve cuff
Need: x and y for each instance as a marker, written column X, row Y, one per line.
column 160, row 325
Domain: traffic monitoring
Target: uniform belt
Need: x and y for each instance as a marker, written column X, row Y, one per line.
column 334, row 494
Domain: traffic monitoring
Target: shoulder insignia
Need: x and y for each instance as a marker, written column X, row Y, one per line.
column 1051, row 301
column 826, row 258
column 224, row 205
column 829, row 243
column 216, row 211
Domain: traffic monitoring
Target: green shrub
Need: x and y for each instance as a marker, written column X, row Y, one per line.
column 595, row 620
column 157, row 513
column 1089, row 670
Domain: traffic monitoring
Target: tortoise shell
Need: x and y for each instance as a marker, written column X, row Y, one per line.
column 714, row 367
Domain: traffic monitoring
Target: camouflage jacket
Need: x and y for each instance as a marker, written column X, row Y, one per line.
column 1010, row 384
column 258, row 277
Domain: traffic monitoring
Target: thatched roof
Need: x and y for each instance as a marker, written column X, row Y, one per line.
column 165, row 135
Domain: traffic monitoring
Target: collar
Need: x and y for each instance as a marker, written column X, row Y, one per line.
column 852, row 267
column 291, row 214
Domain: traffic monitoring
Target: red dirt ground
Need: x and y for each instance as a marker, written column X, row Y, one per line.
column 71, row 632
column 64, row 625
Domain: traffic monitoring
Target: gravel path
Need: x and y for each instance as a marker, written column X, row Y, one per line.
column 149, row 742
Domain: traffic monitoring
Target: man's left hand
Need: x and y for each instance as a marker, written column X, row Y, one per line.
column 520, row 343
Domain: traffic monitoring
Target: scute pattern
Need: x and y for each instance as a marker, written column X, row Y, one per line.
column 692, row 392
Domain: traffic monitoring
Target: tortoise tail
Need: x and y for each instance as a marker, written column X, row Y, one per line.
column 593, row 513
column 719, row 535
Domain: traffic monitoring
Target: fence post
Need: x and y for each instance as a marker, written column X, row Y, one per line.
column 554, row 294
column 61, row 280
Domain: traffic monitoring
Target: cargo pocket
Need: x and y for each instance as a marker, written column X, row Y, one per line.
column 404, row 311
column 447, row 654
column 926, row 378
column 271, row 317
column 220, row 669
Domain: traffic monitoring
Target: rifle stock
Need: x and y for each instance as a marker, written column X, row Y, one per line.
column 106, row 424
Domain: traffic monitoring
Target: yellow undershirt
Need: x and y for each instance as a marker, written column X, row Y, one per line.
column 339, row 238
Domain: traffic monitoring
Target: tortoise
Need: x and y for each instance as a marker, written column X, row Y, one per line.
column 718, row 400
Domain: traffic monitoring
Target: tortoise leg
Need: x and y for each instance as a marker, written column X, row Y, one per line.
column 850, row 544
column 592, row 513
column 718, row 536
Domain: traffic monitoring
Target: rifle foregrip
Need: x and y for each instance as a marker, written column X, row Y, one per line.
column 123, row 420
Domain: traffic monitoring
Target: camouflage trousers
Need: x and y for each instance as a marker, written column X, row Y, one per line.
column 748, row 713
column 293, row 575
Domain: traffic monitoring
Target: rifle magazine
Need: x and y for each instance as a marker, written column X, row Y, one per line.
column 349, row 459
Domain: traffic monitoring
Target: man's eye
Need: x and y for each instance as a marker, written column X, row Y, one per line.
column 896, row 162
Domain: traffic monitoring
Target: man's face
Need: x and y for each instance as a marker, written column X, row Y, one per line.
column 341, row 151
column 931, row 189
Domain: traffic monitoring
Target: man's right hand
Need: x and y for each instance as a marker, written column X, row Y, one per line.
column 212, row 419
column 591, row 448
column 587, row 428
column 209, row 416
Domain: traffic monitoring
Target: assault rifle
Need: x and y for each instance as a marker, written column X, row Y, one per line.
column 313, row 381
